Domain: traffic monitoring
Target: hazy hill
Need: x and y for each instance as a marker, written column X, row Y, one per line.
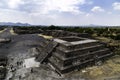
column 14, row 24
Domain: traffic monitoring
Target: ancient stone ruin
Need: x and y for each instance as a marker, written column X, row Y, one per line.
column 71, row 53
column 61, row 33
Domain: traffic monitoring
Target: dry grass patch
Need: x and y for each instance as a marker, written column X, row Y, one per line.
column 45, row 36
column 12, row 31
column 110, row 68
column 2, row 30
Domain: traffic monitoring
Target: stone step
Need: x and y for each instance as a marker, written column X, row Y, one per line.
column 61, row 57
column 79, row 51
column 46, row 52
column 66, row 69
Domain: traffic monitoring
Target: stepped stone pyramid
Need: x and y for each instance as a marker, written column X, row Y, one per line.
column 66, row 54
column 72, row 53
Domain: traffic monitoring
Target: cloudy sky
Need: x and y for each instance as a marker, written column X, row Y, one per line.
column 61, row 12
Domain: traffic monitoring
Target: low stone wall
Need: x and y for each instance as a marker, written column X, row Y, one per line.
column 61, row 33
column 27, row 30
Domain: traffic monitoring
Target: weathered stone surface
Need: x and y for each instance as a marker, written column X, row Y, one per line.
column 46, row 52
column 2, row 40
column 3, row 70
column 61, row 33
column 75, row 53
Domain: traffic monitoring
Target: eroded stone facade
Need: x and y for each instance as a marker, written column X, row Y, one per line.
column 75, row 53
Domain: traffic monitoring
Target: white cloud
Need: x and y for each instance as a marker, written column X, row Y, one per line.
column 116, row 6
column 58, row 19
column 90, row 2
column 1, row 4
column 88, row 14
column 14, row 3
column 97, row 9
column 109, row 12
column 46, row 6
column 7, row 15
column 56, row 12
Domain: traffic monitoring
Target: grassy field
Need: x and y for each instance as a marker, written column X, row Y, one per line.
column 110, row 69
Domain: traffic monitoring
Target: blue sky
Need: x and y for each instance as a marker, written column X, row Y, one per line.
column 61, row 12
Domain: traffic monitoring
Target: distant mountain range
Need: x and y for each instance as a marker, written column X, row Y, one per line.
column 26, row 24
column 14, row 24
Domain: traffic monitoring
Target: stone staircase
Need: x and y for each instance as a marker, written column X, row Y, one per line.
column 46, row 52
